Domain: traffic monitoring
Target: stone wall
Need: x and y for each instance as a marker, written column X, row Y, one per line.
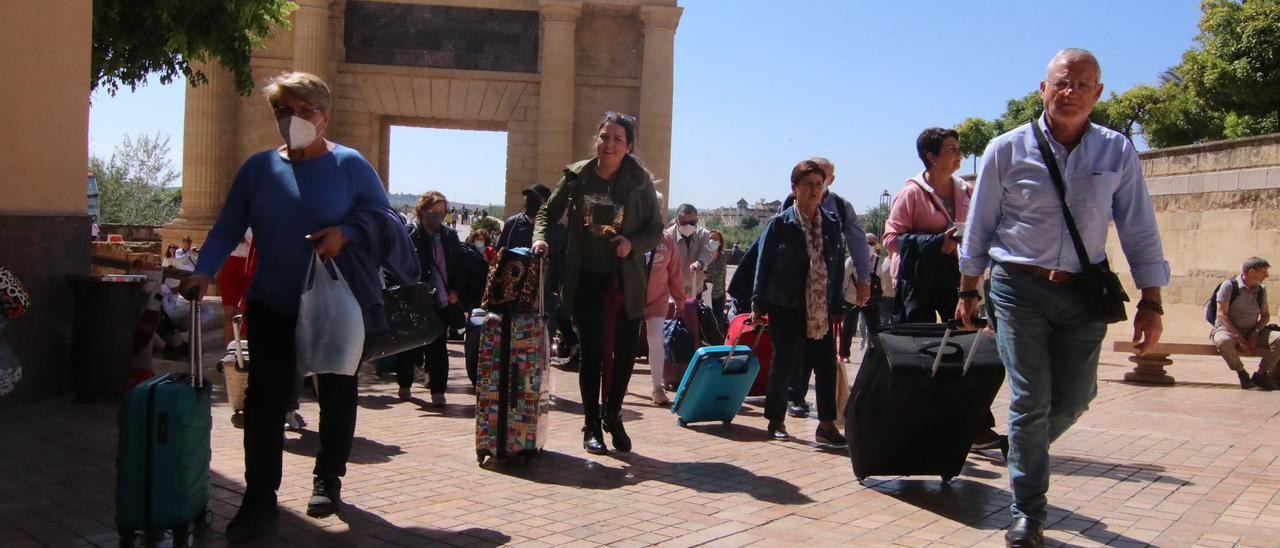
column 1217, row 204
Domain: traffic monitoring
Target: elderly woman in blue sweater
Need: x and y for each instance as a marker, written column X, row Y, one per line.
column 299, row 199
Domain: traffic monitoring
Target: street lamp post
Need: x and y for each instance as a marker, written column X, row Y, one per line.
column 885, row 200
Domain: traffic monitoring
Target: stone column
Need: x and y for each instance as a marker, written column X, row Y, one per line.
column 208, row 150
column 653, row 140
column 311, row 37
column 556, row 89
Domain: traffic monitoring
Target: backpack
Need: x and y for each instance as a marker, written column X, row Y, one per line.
column 1211, row 307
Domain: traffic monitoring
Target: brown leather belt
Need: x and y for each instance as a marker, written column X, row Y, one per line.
column 1055, row 276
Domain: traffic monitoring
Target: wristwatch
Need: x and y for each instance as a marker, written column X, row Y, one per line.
column 970, row 294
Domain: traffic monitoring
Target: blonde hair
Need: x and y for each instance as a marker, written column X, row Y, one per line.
column 303, row 85
column 427, row 201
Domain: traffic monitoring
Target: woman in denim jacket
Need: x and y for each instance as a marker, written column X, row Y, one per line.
column 799, row 275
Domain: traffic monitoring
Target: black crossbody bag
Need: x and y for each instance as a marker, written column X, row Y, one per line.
column 1104, row 296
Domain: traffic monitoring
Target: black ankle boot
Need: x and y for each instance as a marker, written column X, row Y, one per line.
column 592, row 438
column 613, row 425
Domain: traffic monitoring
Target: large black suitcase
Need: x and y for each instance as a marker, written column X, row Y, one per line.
column 910, row 413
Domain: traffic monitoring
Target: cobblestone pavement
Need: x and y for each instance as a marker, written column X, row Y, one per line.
column 1193, row 464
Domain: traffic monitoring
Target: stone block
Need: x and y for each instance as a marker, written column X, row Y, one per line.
column 1215, row 160
column 1226, row 219
column 1224, row 181
column 1267, row 244
column 1251, row 179
column 1273, row 177
column 1195, row 183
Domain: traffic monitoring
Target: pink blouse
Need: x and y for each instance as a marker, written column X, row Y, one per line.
column 917, row 208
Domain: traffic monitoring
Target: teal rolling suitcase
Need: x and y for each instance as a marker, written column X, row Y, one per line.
column 162, row 464
column 715, row 384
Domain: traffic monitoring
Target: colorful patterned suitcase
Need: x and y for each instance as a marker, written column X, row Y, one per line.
column 512, row 386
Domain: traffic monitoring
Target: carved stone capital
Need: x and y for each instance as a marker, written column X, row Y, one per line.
column 559, row 11
column 660, row 17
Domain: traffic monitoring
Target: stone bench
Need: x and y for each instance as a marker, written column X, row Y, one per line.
column 1150, row 367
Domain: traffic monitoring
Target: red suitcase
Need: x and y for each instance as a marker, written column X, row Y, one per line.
column 761, row 344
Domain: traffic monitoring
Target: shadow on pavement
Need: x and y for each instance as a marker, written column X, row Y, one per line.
column 982, row 506
column 363, row 450
column 362, row 528
column 706, row 477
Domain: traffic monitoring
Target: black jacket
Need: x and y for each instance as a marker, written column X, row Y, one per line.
column 465, row 268
column 518, row 232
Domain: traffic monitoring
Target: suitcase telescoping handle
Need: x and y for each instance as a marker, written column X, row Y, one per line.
column 235, row 332
column 956, row 325
column 195, row 350
column 734, row 346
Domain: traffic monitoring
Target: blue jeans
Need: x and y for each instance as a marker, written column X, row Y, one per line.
column 1050, row 350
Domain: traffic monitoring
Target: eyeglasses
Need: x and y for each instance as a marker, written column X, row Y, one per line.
column 1083, row 87
column 624, row 117
column 283, row 111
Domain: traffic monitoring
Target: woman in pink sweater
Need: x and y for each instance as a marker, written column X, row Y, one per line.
column 925, row 225
column 665, row 283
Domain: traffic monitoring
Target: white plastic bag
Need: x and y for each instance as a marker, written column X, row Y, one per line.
column 330, row 334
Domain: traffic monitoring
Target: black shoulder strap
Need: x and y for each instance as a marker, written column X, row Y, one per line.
column 1235, row 291
column 1052, row 164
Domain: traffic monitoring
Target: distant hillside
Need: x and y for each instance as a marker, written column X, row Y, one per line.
column 402, row 200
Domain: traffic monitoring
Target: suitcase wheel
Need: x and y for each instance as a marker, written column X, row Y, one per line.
column 1004, row 447
column 726, row 422
column 183, row 536
column 480, row 455
column 946, row 479
column 862, row 480
column 682, row 423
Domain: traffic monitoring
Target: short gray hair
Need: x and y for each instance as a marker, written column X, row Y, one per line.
column 303, row 85
column 1253, row 263
column 1074, row 54
column 824, row 163
column 686, row 209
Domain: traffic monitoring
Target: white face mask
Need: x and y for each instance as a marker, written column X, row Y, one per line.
column 713, row 245
column 687, row 230
column 297, row 132
column 478, row 245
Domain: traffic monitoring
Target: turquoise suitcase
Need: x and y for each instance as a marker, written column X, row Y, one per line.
column 715, row 384
column 162, row 462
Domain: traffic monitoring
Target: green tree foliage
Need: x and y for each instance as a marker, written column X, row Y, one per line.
column 131, row 185
column 874, row 218
column 135, row 38
column 735, row 234
column 1236, row 69
column 975, row 133
column 750, row 221
column 1226, row 87
column 486, row 223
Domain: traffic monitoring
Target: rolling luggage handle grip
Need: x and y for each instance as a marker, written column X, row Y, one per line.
column 724, row 368
column 235, row 332
column 957, row 325
column 195, row 350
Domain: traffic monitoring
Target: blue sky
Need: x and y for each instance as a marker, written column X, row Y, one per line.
column 762, row 84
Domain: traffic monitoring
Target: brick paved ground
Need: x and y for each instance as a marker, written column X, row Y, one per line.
column 1194, row 464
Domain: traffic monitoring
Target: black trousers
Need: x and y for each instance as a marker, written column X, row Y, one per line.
column 433, row 357
column 272, row 379
column 588, row 318
column 792, row 349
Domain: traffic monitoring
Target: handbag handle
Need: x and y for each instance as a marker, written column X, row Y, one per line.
column 1051, row 163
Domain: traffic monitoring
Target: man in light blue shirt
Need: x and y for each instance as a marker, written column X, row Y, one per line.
column 1016, row 227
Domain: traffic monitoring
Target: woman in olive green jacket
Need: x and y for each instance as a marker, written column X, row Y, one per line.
column 613, row 222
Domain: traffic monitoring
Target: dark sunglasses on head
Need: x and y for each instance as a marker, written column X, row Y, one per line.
column 624, row 117
column 689, row 223
column 282, row 111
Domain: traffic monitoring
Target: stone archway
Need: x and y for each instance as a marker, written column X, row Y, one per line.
column 541, row 70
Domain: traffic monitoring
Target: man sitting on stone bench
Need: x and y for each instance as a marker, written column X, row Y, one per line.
column 1240, row 325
